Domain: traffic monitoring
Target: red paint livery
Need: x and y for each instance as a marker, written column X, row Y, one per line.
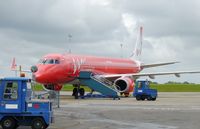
column 57, row 69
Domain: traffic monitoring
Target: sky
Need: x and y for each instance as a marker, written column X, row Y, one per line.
column 31, row 29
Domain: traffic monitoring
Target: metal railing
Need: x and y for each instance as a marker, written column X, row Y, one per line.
column 106, row 82
column 51, row 95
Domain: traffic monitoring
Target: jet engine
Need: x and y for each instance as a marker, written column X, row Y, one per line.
column 124, row 84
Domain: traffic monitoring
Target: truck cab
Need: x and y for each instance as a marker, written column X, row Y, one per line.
column 17, row 107
column 142, row 91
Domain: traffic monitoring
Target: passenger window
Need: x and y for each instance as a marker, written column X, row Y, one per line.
column 11, row 91
column 57, row 62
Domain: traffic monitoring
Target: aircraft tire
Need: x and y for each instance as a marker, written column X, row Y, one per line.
column 153, row 99
column 76, row 95
column 74, row 91
column 82, row 92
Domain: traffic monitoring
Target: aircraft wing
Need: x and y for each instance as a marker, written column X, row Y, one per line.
column 157, row 64
column 150, row 75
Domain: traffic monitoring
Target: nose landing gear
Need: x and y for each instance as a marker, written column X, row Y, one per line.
column 78, row 92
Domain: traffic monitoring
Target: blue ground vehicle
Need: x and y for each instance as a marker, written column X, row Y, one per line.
column 142, row 91
column 18, row 108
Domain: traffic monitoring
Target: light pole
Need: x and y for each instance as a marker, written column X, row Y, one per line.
column 121, row 45
column 69, row 39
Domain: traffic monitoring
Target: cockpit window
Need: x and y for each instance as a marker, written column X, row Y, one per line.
column 57, row 62
column 49, row 61
column 42, row 61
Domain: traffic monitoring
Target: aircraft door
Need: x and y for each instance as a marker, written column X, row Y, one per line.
column 70, row 69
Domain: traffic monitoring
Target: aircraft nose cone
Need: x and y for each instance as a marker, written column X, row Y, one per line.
column 34, row 69
column 37, row 78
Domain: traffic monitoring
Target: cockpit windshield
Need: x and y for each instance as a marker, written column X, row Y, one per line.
column 49, row 61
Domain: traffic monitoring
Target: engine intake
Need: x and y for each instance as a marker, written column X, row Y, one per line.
column 124, row 84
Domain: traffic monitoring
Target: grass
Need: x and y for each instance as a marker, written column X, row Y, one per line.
column 176, row 87
column 67, row 87
column 159, row 87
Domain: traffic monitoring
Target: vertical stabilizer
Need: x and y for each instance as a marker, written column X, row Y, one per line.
column 138, row 46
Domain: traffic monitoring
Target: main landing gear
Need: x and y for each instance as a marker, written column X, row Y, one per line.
column 78, row 92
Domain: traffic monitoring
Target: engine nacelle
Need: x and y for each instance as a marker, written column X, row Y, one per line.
column 124, row 84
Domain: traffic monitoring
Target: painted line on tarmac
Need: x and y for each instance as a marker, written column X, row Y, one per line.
column 145, row 107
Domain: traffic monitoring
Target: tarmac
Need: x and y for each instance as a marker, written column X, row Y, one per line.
column 170, row 111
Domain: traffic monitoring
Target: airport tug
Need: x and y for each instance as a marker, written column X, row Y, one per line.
column 17, row 107
column 142, row 91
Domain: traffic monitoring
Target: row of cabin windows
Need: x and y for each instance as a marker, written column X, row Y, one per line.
column 49, row 61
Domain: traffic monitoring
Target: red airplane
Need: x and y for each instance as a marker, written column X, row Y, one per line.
column 54, row 70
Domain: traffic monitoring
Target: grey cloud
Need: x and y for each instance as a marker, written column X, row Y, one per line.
column 52, row 21
column 165, row 17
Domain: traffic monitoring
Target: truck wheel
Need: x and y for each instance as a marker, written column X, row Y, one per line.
column 149, row 98
column 142, row 98
column 138, row 98
column 16, row 126
column 38, row 123
column 8, row 123
column 153, row 99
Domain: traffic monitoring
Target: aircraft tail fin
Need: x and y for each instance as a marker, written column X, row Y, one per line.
column 138, row 46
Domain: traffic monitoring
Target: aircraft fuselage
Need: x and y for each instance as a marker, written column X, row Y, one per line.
column 60, row 69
